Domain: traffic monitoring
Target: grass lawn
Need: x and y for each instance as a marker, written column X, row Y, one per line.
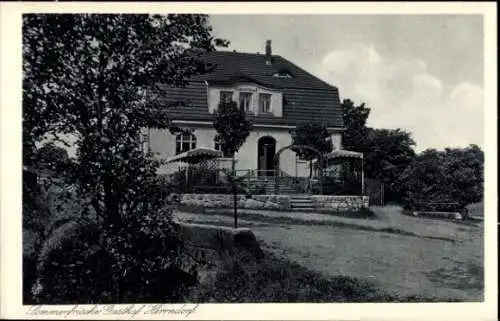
column 401, row 255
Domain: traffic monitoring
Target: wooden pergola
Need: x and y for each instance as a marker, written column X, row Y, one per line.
column 195, row 156
column 343, row 157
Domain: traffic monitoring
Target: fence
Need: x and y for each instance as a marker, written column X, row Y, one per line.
column 217, row 181
column 375, row 190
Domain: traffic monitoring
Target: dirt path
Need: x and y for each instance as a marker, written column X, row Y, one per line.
column 404, row 264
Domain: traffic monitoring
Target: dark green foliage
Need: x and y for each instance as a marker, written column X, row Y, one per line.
column 332, row 186
column 313, row 135
column 36, row 211
column 453, row 175
column 52, row 158
column 72, row 267
column 232, row 127
column 355, row 118
column 386, row 152
column 83, row 263
column 94, row 76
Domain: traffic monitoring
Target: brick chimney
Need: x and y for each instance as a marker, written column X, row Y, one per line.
column 269, row 52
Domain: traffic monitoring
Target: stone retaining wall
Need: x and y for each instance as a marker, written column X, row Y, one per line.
column 265, row 202
column 208, row 246
column 322, row 203
column 338, row 203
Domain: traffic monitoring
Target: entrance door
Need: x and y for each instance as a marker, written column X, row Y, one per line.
column 266, row 147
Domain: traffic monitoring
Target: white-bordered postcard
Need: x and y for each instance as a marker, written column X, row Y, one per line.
column 248, row 161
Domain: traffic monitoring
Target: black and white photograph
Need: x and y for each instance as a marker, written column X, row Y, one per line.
column 181, row 159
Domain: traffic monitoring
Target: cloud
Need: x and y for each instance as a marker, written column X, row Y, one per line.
column 403, row 94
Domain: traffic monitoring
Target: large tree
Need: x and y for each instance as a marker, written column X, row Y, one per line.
column 314, row 135
column 233, row 128
column 90, row 75
column 386, row 152
column 355, row 117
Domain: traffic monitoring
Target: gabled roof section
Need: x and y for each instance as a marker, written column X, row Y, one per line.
column 228, row 64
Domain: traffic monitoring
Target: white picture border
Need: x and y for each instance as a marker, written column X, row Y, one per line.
column 10, row 144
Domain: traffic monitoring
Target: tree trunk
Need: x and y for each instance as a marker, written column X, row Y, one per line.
column 233, row 183
column 111, row 210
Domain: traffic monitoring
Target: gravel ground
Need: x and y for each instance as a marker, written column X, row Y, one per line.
column 396, row 252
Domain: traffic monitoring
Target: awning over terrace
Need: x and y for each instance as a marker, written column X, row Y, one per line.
column 196, row 155
column 341, row 153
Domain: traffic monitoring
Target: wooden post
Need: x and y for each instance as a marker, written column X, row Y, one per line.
column 382, row 192
column 235, row 204
column 362, row 177
column 186, row 178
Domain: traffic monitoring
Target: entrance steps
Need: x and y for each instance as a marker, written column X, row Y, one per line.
column 268, row 184
column 301, row 203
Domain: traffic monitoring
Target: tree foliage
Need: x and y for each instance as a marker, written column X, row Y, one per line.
column 96, row 77
column 452, row 175
column 355, row 117
column 386, row 152
column 233, row 128
column 314, row 135
column 89, row 75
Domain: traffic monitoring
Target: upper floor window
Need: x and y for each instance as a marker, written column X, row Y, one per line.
column 245, row 101
column 226, row 96
column 265, row 103
column 184, row 142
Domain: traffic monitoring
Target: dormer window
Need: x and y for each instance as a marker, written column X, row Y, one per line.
column 283, row 74
column 226, row 97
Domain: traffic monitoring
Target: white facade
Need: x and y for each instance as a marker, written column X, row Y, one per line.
column 276, row 106
column 164, row 143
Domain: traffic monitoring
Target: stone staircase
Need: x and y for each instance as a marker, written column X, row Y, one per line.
column 269, row 185
column 301, row 203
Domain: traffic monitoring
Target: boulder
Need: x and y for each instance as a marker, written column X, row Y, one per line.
column 271, row 206
column 253, row 204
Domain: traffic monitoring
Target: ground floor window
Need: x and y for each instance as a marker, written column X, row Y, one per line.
column 218, row 146
column 184, row 142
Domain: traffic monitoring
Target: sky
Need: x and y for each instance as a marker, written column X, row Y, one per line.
column 421, row 73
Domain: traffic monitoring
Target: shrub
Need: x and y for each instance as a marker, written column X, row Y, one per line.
column 449, row 176
column 73, row 267
column 84, row 263
column 147, row 255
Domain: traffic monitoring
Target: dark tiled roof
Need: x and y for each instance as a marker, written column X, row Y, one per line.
column 229, row 65
column 305, row 97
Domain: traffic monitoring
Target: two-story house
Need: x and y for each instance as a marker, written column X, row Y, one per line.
column 276, row 94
